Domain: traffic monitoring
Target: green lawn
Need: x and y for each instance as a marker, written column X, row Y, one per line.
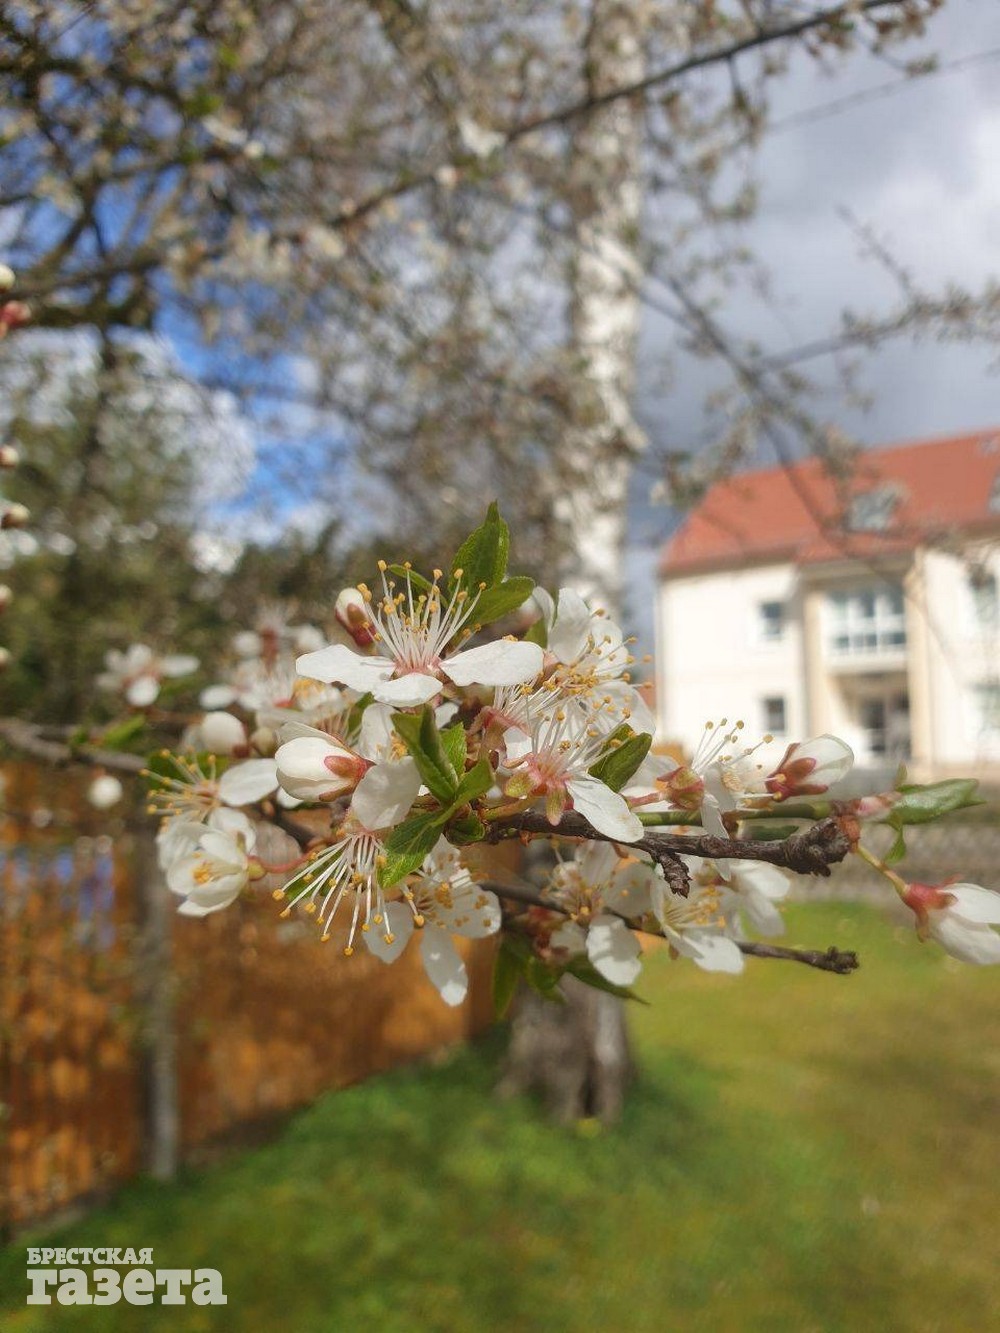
column 805, row 1152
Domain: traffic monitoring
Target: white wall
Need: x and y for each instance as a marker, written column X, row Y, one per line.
column 710, row 657
column 962, row 653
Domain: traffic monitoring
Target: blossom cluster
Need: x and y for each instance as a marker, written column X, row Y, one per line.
column 393, row 744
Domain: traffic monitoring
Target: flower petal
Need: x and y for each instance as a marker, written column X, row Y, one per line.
column 236, row 824
column 443, row 965
column 605, row 809
column 574, row 623
column 408, row 691
column 399, row 924
column 180, row 664
column 614, row 950
column 569, row 936
column 384, row 795
column 629, row 893
column 476, row 914
column 338, row 664
column 250, row 781
column 975, row 903
column 375, row 737
column 543, row 600
column 712, row 952
column 505, row 662
column 596, row 863
column 217, row 696
column 969, row 941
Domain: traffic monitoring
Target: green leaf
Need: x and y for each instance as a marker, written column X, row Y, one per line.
column 503, row 599
column 537, row 632
column 482, row 557
column 162, row 767
column 423, row 740
column 584, row 970
column 417, row 580
column 544, row 980
column 453, row 740
column 620, row 762
column 478, row 780
column 119, row 735
column 897, row 851
column 508, row 968
column 408, row 844
column 464, row 830
column 357, row 713
column 769, row 832
column 922, row 804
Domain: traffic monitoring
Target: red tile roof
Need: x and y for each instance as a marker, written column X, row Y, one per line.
column 801, row 513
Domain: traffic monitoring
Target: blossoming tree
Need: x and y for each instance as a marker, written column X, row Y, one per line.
column 392, row 756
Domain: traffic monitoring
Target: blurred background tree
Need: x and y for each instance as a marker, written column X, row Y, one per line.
column 414, row 238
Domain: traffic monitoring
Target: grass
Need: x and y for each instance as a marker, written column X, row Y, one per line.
column 804, row 1152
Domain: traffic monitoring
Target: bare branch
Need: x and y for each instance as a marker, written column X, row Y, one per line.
column 811, row 852
column 841, row 961
column 30, row 740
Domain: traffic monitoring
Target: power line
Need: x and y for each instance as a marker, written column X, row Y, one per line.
column 825, row 109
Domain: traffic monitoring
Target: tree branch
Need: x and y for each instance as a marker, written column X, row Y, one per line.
column 29, row 738
column 811, row 852
column 841, row 961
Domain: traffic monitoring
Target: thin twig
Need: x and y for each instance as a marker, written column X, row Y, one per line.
column 29, row 739
column 841, row 961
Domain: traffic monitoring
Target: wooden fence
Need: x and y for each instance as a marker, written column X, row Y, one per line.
column 131, row 1037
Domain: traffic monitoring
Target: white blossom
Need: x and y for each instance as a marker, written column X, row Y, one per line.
column 599, row 889
column 416, row 629
column 212, row 874
column 441, row 900
column 138, row 671
column 550, row 756
column 960, row 917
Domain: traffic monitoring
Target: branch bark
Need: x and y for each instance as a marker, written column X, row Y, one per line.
column 811, row 852
column 29, row 738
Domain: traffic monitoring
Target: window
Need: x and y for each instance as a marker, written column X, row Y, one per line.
column 774, row 715
column 771, row 621
column 872, row 511
column 866, row 621
column 988, row 706
column 983, row 591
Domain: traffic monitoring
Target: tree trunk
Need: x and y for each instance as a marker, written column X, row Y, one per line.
column 605, row 198
column 578, row 1054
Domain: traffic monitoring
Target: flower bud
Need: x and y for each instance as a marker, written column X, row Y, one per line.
column 105, row 791
column 222, row 733
column 9, row 457
column 312, row 768
column 264, row 741
column 15, row 516
column 7, row 278
column 351, row 610
column 13, row 314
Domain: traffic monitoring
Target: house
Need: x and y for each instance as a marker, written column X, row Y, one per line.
column 864, row 604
